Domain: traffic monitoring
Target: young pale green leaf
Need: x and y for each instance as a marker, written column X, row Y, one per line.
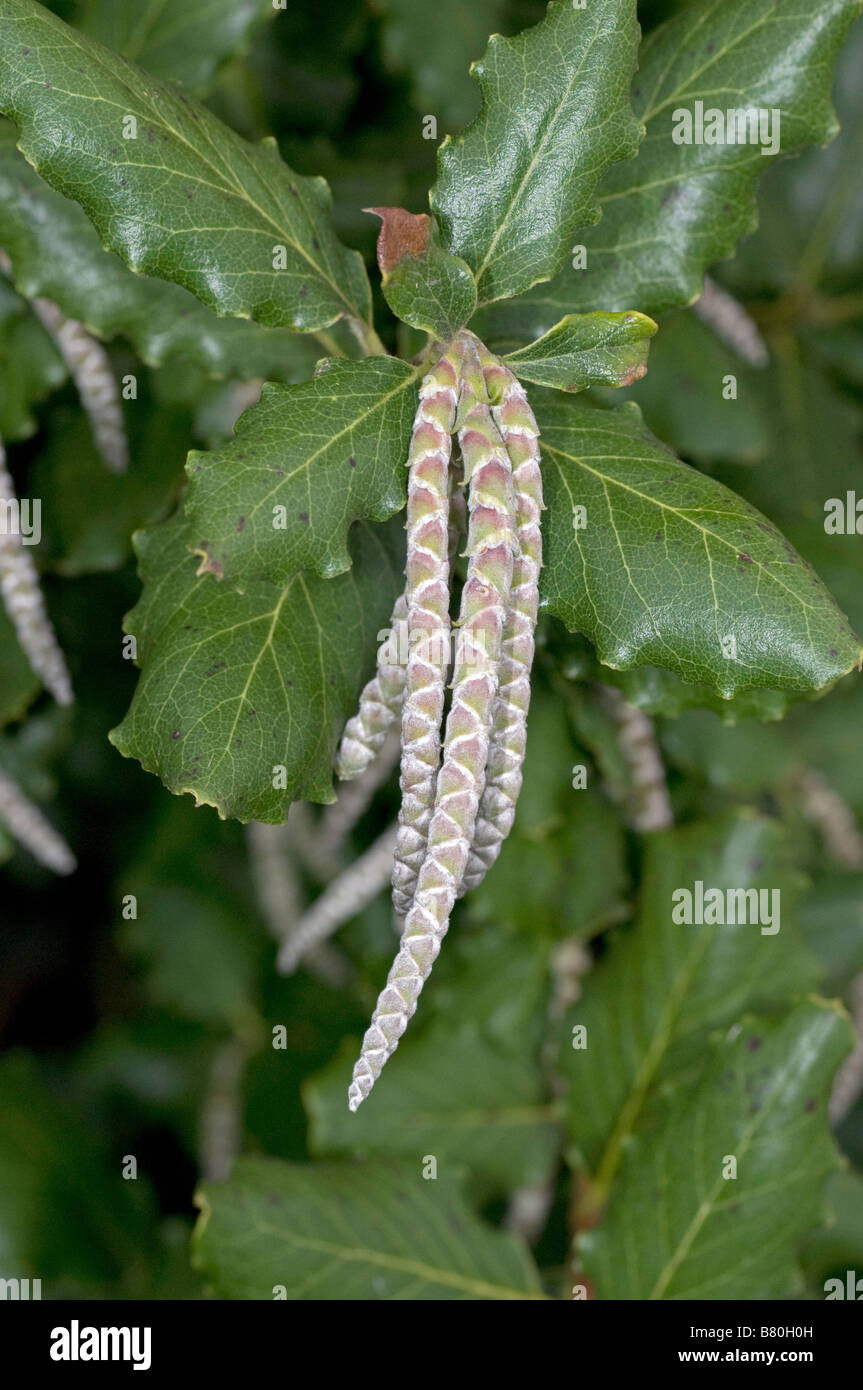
column 654, row 1000
column 513, row 189
column 423, row 284
column 657, row 564
column 243, row 697
column 235, row 226
column 56, row 253
column 367, row 1231
column 678, row 208
column 682, row 1224
column 30, row 366
column 587, row 350
column 186, row 41
column 303, row 464
column 452, row 1093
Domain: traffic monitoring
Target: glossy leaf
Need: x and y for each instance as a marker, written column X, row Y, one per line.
column 229, row 211
column 302, row 465
column 243, row 697
column 513, row 188
column 587, row 350
column 672, row 569
column 186, row 41
column 675, row 210
column 56, row 252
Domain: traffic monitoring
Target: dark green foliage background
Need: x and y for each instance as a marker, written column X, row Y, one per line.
column 114, row 1033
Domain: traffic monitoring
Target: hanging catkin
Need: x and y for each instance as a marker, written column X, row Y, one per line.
column 27, row 823
column 380, row 701
column 427, row 591
column 520, row 433
column 22, row 597
column 492, row 545
column 90, row 368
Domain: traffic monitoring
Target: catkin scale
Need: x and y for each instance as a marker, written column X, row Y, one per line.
column 428, row 623
column 491, row 549
column 518, row 428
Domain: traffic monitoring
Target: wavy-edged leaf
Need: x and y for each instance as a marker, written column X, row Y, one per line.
column 671, row 569
column 653, row 1001
column 225, row 207
column 236, row 686
column 56, row 253
column 675, row 210
column 304, row 463
column 186, row 40
column 513, row 188
column 587, row 350
column 679, row 1226
column 352, row 1231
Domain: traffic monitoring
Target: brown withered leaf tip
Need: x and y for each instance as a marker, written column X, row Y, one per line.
column 402, row 234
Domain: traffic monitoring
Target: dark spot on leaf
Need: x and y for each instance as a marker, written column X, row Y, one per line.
column 176, row 734
column 833, row 651
column 316, row 243
column 747, row 559
column 241, row 524
column 811, row 1104
column 219, row 666
column 273, row 1199
column 304, row 516
column 304, row 291
column 352, row 461
column 753, row 1043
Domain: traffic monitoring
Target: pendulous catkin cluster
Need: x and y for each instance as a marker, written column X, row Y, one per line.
column 458, row 799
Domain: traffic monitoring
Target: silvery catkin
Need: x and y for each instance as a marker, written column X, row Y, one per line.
column 492, row 544
column 427, row 590
column 380, row 701
column 22, row 598
column 518, row 428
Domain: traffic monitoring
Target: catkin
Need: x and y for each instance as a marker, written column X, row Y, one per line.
column 427, row 591
column 22, row 597
column 28, row 825
column 90, row 368
column 492, row 545
column 380, row 701
column 518, row 429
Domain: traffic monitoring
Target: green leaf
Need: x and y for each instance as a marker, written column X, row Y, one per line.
column 352, row 1231
column 236, row 686
column 435, row 44
column 652, row 1002
column 679, row 1227
column 186, row 41
column 423, row 284
column 303, row 464
column 225, row 206
column 452, row 1094
column 587, row 350
column 57, row 253
column 30, row 366
column 513, row 189
column 672, row 569
column 677, row 209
